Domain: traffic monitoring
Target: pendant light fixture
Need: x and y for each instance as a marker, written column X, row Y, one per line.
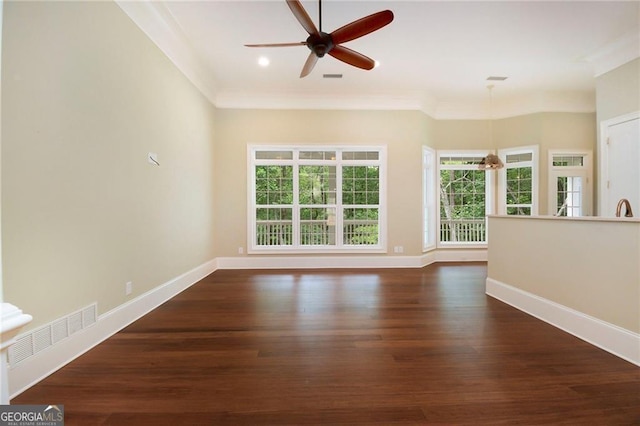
column 491, row 161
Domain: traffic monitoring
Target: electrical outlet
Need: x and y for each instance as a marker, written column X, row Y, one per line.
column 128, row 288
column 240, row 250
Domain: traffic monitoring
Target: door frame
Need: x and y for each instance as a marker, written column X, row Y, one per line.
column 585, row 171
column 603, row 156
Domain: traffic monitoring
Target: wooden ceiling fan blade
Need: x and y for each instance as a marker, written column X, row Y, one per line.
column 302, row 16
column 300, row 43
column 309, row 64
column 362, row 26
column 352, row 57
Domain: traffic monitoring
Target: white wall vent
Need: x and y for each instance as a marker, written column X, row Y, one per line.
column 34, row 341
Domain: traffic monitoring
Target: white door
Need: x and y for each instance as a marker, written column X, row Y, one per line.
column 621, row 164
column 569, row 194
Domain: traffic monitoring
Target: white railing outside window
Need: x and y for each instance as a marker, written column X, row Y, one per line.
column 463, row 230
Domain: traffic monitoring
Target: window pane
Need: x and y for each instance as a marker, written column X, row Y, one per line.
column 519, row 211
column 458, row 161
column 519, row 190
column 317, row 184
column 317, row 226
column 361, row 155
column 274, row 226
column 274, row 155
column 568, row 161
column 462, row 205
column 274, row 185
column 360, row 226
column 360, row 185
column 517, row 158
column 317, row 155
column 569, row 199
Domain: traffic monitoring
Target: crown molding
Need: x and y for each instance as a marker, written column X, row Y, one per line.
column 157, row 22
column 280, row 100
column 619, row 52
column 574, row 102
column 559, row 101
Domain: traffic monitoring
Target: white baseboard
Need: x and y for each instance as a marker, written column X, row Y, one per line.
column 371, row 262
column 37, row 367
column 319, row 262
column 616, row 340
column 468, row 255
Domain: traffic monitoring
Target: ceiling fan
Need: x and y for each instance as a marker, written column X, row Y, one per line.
column 321, row 43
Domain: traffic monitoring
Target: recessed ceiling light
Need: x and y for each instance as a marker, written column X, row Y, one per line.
column 263, row 61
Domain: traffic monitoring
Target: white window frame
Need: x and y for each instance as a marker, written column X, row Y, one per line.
column 585, row 171
column 296, row 247
column 430, row 211
column 535, row 176
column 489, row 194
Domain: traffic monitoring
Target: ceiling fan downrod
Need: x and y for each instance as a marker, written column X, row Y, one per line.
column 320, row 43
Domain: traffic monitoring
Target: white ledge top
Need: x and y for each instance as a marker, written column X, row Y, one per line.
column 12, row 320
column 577, row 219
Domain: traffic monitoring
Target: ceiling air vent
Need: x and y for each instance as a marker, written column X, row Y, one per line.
column 496, row 78
column 331, row 75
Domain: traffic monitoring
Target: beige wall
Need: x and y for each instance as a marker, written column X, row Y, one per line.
column 85, row 96
column 462, row 134
column 588, row 265
column 1, row 281
column 548, row 130
column 618, row 91
column 403, row 132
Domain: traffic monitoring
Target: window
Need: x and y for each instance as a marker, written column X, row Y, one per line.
column 570, row 183
column 316, row 199
column 518, row 181
column 429, row 210
column 465, row 197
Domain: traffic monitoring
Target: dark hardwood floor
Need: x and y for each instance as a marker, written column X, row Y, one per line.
column 340, row 347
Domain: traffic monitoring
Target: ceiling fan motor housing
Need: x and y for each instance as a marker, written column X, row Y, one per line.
column 320, row 43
